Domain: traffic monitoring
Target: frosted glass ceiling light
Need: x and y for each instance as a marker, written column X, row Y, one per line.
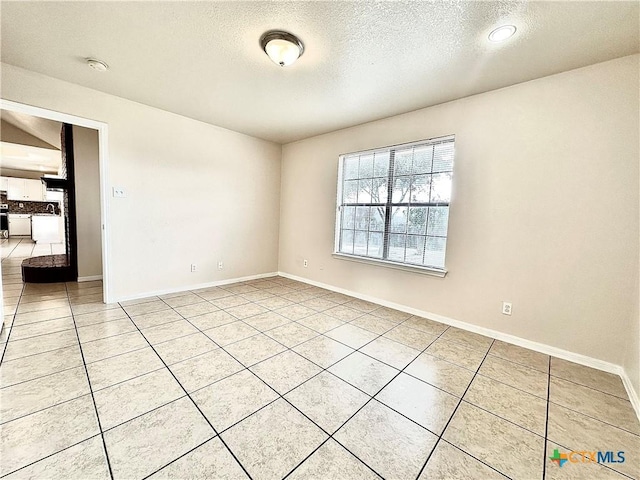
column 500, row 34
column 281, row 47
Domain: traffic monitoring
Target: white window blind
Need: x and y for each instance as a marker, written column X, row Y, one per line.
column 393, row 203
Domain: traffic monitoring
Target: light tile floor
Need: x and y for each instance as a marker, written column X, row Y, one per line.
column 274, row 378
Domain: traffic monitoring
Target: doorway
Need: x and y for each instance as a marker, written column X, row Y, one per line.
column 99, row 129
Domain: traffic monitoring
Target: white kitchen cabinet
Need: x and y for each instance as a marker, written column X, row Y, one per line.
column 16, row 189
column 25, row 189
column 53, row 196
column 35, row 190
column 45, row 228
column 4, row 184
column 19, row 224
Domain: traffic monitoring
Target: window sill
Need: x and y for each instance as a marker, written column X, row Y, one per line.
column 435, row 272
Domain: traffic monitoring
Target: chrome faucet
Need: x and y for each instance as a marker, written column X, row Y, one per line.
column 53, row 208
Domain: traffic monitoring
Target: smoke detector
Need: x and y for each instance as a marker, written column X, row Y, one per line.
column 97, row 65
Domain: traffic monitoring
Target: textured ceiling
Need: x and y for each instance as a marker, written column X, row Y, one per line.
column 362, row 60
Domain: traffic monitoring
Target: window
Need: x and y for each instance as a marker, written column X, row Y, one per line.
column 393, row 203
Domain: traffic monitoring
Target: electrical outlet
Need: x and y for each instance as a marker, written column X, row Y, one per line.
column 305, row 263
column 119, row 192
column 220, row 265
column 506, row 308
column 193, row 267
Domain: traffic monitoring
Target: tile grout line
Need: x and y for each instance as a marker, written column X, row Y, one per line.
column 288, row 319
column 359, row 350
column 493, row 414
column 65, row 301
column 401, row 371
column 148, row 411
column 520, row 364
column 319, row 332
column 280, row 396
column 39, row 353
column 59, row 403
column 472, row 456
column 6, row 343
column 322, row 369
column 96, row 391
column 546, row 422
column 453, row 414
column 483, row 375
column 590, row 387
column 13, row 321
column 86, row 371
column 62, row 348
column 330, row 437
column 46, row 408
column 15, row 313
column 12, row 250
column 291, row 321
column 546, row 432
column 192, row 401
column 371, row 398
column 40, row 321
column 41, row 376
column 191, row 450
column 538, row 397
column 378, row 336
column 362, row 314
column 131, row 319
column 50, row 455
column 216, row 345
column 594, row 418
column 169, row 307
column 41, row 335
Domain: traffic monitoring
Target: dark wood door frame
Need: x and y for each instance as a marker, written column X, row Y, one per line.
column 71, row 240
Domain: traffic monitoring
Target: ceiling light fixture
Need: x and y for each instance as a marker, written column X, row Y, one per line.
column 97, row 65
column 283, row 48
column 500, row 34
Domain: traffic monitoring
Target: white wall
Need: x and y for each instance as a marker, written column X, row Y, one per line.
column 196, row 193
column 544, row 214
column 544, row 210
column 87, row 172
column 631, row 346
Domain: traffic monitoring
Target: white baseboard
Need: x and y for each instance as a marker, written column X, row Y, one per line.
column 633, row 395
column 193, row 287
column 90, row 278
column 505, row 337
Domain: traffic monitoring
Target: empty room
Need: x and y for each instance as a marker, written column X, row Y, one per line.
column 323, row 240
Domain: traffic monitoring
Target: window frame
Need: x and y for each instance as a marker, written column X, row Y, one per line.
column 388, row 205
